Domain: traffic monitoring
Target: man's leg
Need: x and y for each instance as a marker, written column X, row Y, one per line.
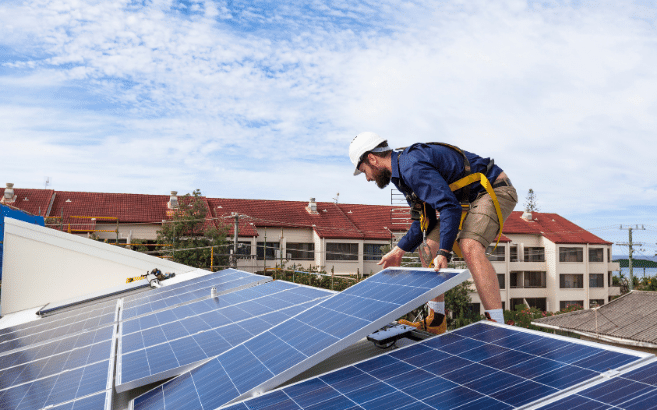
column 435, row 322
column 484, row 275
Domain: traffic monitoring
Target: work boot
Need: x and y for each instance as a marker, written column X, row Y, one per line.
column 434, row 323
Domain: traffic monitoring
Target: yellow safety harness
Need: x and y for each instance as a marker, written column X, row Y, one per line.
column 469, row 179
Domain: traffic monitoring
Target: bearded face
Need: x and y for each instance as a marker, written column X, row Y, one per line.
column 382, row 177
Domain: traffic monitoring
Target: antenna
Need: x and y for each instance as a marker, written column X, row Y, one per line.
column 337, row 197
column 47, row 182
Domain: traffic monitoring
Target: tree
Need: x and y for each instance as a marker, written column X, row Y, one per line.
column 192, row 234
column 531, row 205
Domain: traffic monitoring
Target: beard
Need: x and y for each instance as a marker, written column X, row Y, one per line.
column 382, row 177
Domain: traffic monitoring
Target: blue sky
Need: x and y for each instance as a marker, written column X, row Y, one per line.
column 260, row 100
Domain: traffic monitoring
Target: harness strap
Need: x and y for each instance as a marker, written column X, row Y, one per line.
column 472, row 178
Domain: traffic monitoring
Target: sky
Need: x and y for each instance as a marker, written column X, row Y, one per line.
column 260, row 100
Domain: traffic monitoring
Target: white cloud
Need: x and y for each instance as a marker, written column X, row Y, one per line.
column 261, row 100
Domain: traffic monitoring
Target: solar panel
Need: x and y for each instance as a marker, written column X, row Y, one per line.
column 476, row 367
column 34, row 353
column 633, row 389
column 46, row 330
column 227, row 280
column 297, row 344
column 60, row 379
column 96, row 401
column 165, row 344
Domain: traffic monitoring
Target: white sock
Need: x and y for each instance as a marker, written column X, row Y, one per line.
column 437, row 307
column 497, row 315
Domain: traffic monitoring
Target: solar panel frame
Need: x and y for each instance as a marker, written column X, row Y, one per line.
column 188, row 291
column 67, row 385
column 386, row 382
column 633, row 387
column 418, row 286
column 166, row 347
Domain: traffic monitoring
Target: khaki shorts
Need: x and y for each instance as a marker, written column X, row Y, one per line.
column 481, row 222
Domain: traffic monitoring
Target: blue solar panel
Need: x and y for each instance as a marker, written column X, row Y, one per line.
column 302, row 341
column 225, row 281
column 55, row 327
column 63, row 387
column 162, row 345
column 59, row 378
column 97, row 401
column 477, row 367
column 635, row 389
column 46, row 350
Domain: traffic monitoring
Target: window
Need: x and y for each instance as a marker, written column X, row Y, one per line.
column 565, row 303
column 243, row 249
column 475, row 309
column 534, row 279
column 372, row 251
column 609, row 254
column 538, row 303
column 596, row 280
column 301, row 251
column 596, row 255
column 596, row 302
column 515, row 302
column 341, row 251
column 500, row 279
column 571, row 280
column 534, row 254
column 513, row 253
column 272, row 247
column 571, row 254
column 528, row 279
column 609, row 279
column 496, row 255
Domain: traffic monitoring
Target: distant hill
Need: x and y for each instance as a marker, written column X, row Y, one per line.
column 636, row 263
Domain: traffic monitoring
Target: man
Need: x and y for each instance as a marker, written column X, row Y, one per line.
column 424, row 172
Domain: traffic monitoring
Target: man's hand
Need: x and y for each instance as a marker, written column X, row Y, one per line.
column 439, row 262
column 393, row 258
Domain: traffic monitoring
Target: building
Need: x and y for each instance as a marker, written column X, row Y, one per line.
column 339, row 238
column 542, row 259
column 545, row 261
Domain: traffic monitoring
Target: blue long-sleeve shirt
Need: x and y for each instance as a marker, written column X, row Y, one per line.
column 428, row 170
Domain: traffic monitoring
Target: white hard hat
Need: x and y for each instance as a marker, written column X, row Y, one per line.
column 364, row 142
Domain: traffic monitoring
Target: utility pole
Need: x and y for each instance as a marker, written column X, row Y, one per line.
column 630, row 244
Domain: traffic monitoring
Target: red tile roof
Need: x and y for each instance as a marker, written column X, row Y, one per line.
column 331, row 220
column 555, row 228
column 348, row 221
column 33, row 201
column 128, row 208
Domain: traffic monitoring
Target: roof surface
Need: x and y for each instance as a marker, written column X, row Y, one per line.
column 331, row 221
column 554, row 227
column 632, row 316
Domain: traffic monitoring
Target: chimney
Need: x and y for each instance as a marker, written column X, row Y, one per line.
column 173, row 200
column 9, row 196
column 527, row 216
column 312, row 207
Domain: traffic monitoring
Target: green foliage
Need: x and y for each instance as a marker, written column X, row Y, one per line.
column 523, row 315
column 531, row 205
column 136, row 245
column 315, row 277
column 193, row 235
column 458, row 302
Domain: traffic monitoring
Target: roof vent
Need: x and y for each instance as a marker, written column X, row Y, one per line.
column 312, row 207
column 9, row 196
column 173, row 200
column 527, row 216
